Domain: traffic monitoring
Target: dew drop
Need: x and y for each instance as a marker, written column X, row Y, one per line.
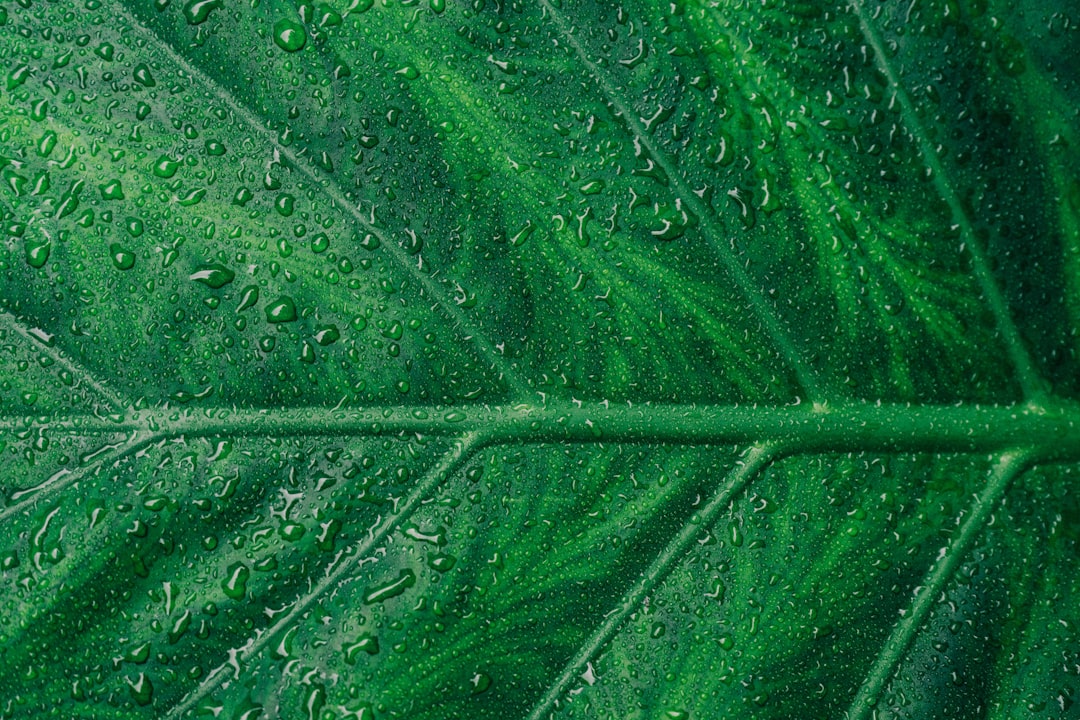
column 289, row 35
column 121, row 258
column 248, row 297
column 37, row 254
column 364, row 644
column 235, row 583
column 327, row 335
column 377, row 593
column 196, row 12
column 214, row 276
column 165, row 167
column 142, row 690
column 282, row 310
column 143, row 76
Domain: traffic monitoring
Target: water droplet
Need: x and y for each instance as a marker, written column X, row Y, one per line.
column 327, row 16
column 480, row 683
column 442, row 563
column 143, row 76
column 46, row 144
column 141, row 689
column 165, row 167
column 377, row 593
column 17, row 76
column 196, row 12
column 289, row 35
column 121, row 258
column 313, row 703
column 235, row 582
column 327, row 334
column 112, row 190
column 242, row 197
column 592, row 187
column 193, row 197
column 180, row 627
column 282, row 310
column 248, row 297
column 214, row 276
column 284, row 204
column 435, row 538
column 364, row 644
column 292, row 531
column 37, row 254
column 139, row 654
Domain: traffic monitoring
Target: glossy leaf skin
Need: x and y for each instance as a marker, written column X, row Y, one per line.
column 491, row 359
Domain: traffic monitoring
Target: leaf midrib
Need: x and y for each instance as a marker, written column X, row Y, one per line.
column 844, row 427
column 1047, row 433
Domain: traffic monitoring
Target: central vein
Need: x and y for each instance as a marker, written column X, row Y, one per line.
column 1052, row 433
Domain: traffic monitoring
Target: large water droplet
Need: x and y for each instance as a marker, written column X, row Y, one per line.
column 289, row 35
column 281, row 310
column 214, row 276
column 196, row 12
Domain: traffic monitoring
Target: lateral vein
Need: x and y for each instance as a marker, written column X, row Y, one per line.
column 104, row 391
column 748, row 468
column 927, row 595
column 339, row 569
column 1030, row 381
column 712, row 233
column 430, row 286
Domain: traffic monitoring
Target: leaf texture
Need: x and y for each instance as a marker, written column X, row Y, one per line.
column 565, row 359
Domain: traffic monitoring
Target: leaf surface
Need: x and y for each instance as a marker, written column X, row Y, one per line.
column 556, row 359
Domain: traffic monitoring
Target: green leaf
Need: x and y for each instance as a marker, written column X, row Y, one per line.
column 491, row 359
